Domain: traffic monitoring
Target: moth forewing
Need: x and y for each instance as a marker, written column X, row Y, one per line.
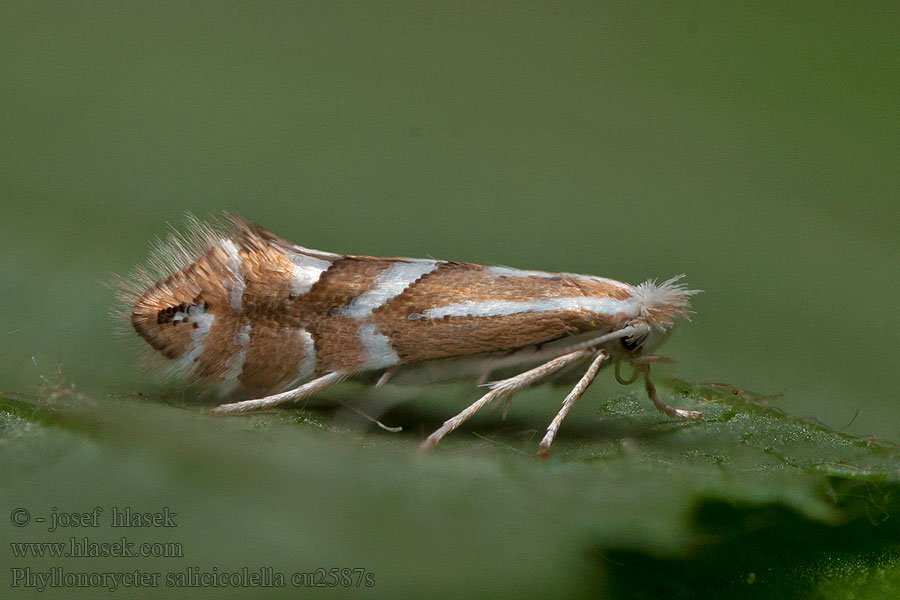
column 235, row 305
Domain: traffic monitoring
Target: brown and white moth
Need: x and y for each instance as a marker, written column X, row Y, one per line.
column 238, row 306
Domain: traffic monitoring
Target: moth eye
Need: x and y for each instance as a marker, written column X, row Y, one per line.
column 632, row 344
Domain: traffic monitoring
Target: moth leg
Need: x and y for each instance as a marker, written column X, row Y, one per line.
column 299, row 393
column 599, row 359
column 385, row 377
column 502, row 389
column 507, row 403
column 662, row 406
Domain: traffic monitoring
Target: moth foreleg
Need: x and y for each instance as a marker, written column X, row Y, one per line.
column 599, row 359
column 502, row 389
column 299, row 393
column 662, row 406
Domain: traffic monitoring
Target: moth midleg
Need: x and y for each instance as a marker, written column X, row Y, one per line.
column 660, row 405
column 502, row 389
column 299, row 393
column 599, row 359
column 385, row 377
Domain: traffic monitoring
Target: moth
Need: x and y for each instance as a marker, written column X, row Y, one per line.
column 233, row 304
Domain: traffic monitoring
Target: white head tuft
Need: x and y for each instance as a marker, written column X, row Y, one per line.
column 660, row 304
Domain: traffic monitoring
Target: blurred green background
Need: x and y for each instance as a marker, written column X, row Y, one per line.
column 755, row 149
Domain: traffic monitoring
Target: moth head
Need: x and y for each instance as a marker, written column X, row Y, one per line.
column 643, row 343
column 657, row 307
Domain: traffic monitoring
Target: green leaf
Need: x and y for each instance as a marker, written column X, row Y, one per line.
column 747, row 502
